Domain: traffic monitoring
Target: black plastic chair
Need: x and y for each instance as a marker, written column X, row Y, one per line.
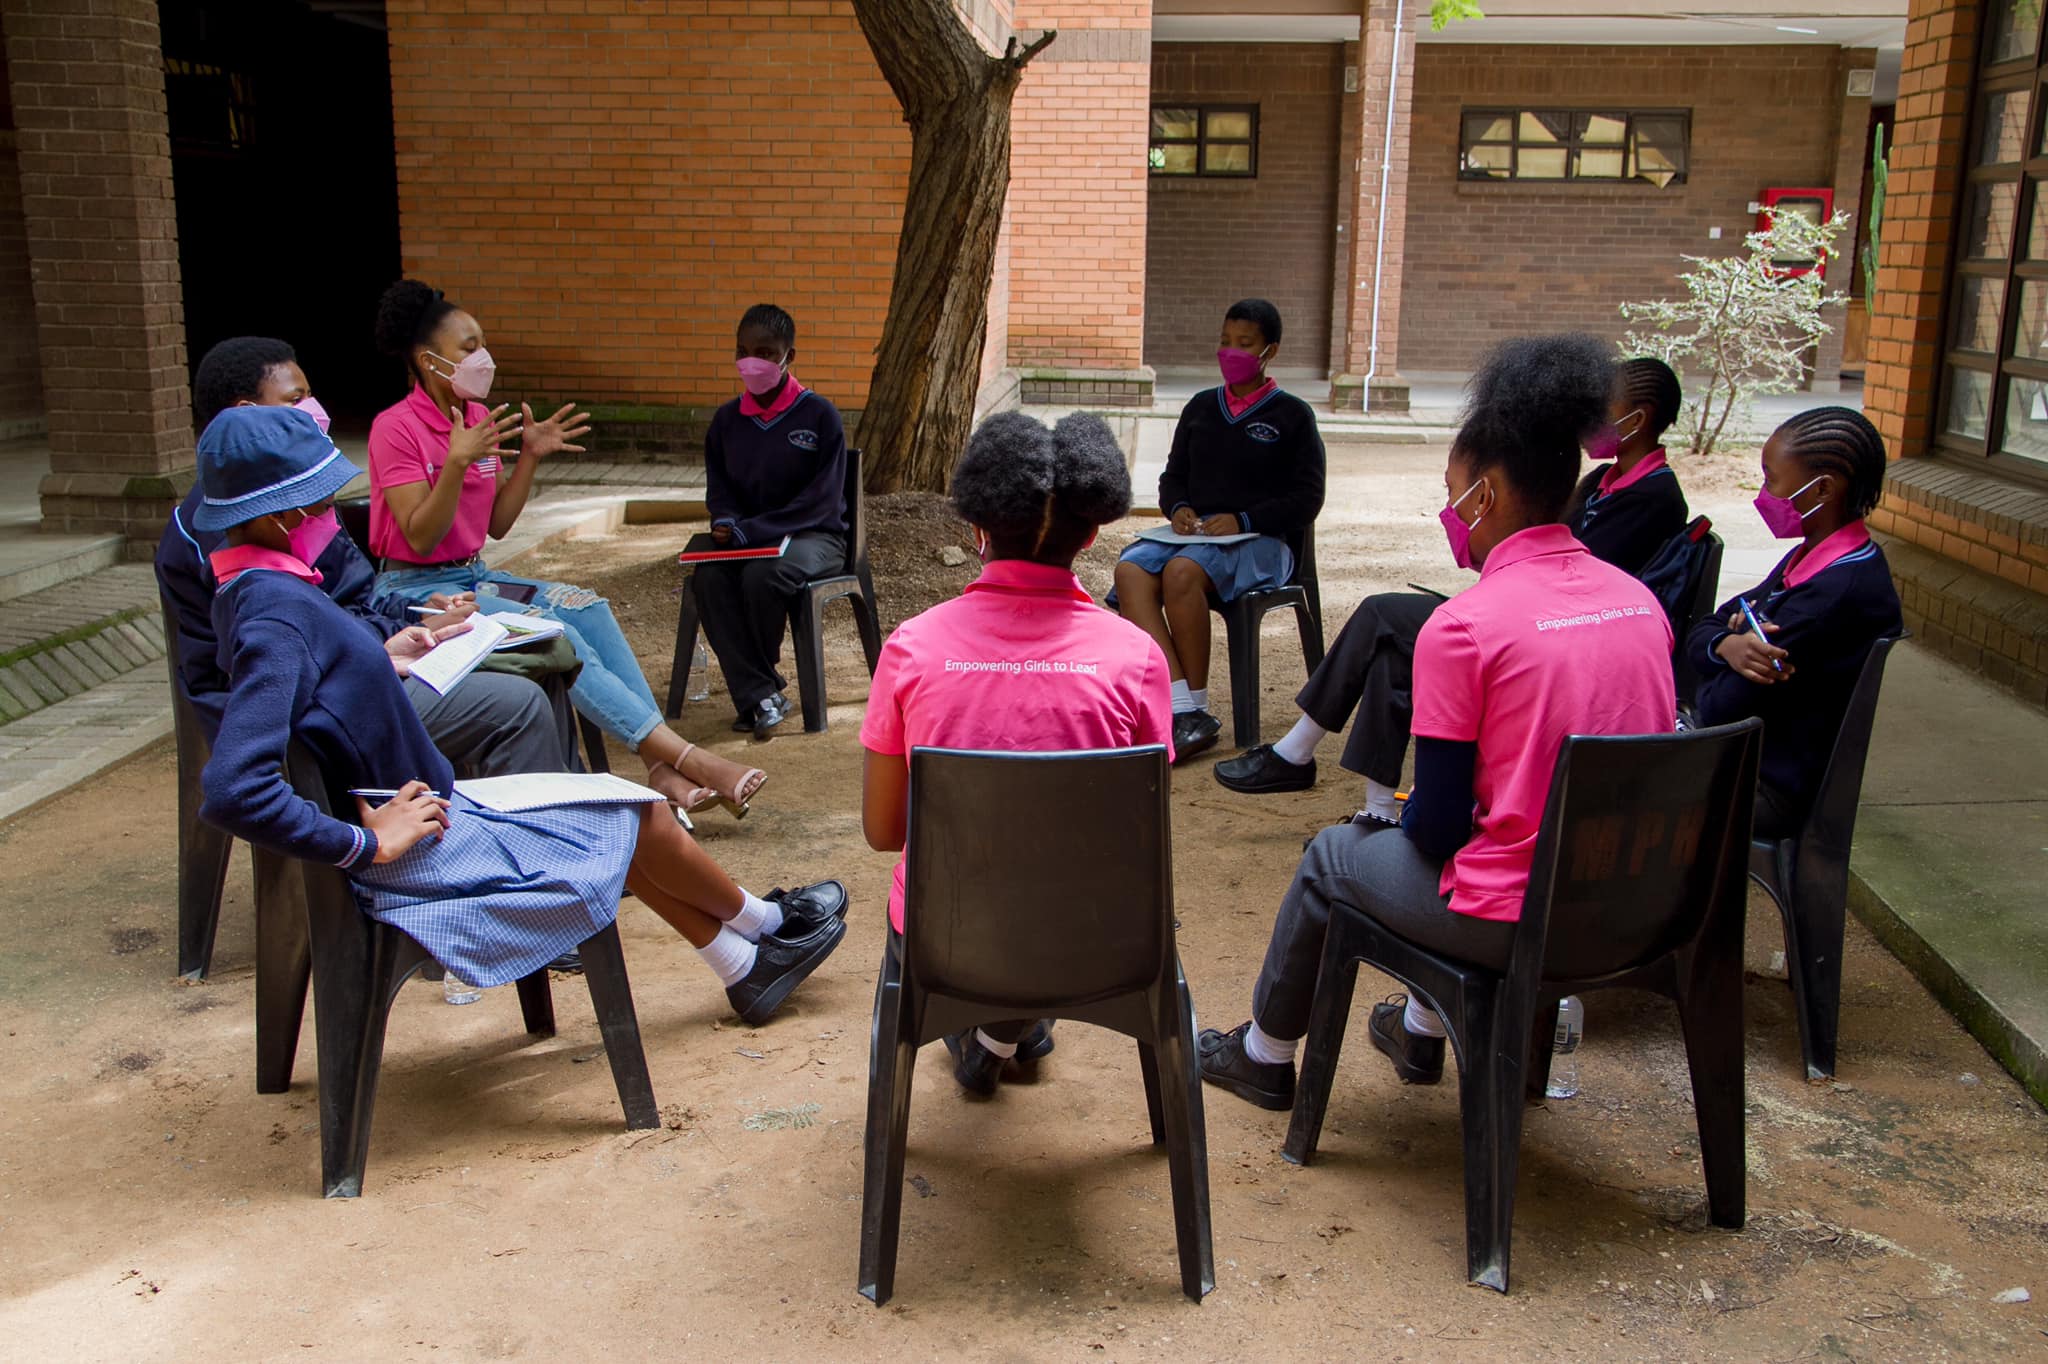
column 806, row 615
column 1807, row 875
column 1637, row 881
column 1067, row 913
column 359, row 964
column 1241, row 619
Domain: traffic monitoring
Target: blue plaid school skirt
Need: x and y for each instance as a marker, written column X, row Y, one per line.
column 500, row 895
column 1247, row 566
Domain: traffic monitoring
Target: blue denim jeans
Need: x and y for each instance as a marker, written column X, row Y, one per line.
column 611, row 689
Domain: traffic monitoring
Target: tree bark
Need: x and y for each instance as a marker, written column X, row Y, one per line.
column 956, row 99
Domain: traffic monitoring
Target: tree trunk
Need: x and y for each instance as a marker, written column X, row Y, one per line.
column 956, row 99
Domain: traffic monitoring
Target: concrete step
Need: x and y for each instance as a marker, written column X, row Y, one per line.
column 34, row 563
column 64, row 641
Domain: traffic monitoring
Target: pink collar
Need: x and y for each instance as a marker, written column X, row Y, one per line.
column 1021, row 575
column 750, row 406
column 429, row 412
column 1531, row 543
column 1806, row 563
column 232, row 561
column 1647, row 465
column 1239, row 406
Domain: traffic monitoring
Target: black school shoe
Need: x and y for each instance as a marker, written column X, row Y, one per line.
column 806, row 908
column 1259, row 771
column 1222, row 1060
column 570, row 963
column 1194, row 731
column 974, row 1066
column 1417, row 1060
column 780, row 965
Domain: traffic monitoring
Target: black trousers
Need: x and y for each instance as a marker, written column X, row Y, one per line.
column 490, row 725
column 1779, row 813
column 743, row 607
column 1370, row 669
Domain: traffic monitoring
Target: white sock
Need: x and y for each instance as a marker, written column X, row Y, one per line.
column 1003, row 1049
column 1421, row 1020
column 1299, row 745
column 757, row 917
column 1183, row 699
column 730, row 956
column 1379, row 800
column 1200, row 698
column 1268, row 1050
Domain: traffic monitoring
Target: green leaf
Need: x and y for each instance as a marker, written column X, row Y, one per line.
column 1444, row 13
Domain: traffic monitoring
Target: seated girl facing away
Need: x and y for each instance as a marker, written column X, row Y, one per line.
column 1821, row 609
column 1246, row 461
column 1035, row 499
column 492, row 895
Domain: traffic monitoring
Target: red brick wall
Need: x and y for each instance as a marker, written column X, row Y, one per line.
column 21, row 367
column 1211, row 242
column 1077, row 187
column 608, row 184
column 1490, row 260
column 1929, row 124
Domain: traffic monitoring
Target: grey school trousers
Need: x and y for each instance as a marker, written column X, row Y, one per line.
column 490, row 725
column 1377, row 870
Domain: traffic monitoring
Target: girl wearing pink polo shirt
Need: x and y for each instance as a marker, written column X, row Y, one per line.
column 1549, row 642
column 441, row 483
column 1822, row 608
column 956, row 676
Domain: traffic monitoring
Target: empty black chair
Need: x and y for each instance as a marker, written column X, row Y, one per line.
column 358, row 964
column 354, row 515
column 806, row 615
column 1637, row 881
column 1807, row 875
column 1241, row 620
column 1066, row 913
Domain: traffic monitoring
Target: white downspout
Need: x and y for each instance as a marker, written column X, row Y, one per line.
column 1379, row 243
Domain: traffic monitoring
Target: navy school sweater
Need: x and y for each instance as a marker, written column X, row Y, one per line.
column 1627, row 527
column 1265, row 466
column 1827, row 625
column 186, row 577
column 768, row 477
column 301, row 668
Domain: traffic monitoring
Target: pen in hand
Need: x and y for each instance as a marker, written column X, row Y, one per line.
column 1757, row 628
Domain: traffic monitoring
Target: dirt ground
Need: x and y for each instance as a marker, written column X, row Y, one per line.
column 153, row 1206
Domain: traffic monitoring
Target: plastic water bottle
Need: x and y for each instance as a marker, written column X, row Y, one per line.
column 700, row 673
column 456, row 990
column 1564, row 1049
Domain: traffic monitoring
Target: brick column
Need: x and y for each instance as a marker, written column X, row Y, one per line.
column 1852, row 163
column 1930, row 122
column 94, row 150
column 1077, row 206
column 1373, row 266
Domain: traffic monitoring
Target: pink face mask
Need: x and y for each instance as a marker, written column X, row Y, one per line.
column 1239, row 366
column 1781, row 515
column 1457, row 532
column 758, row 375
column 1605, row 443
column 311, row 537
column 310, row 405
column 471, row 378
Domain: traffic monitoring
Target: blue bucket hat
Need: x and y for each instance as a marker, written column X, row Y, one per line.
column 258, row 461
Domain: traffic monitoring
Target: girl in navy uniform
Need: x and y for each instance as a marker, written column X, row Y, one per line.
column 1821, row 609
column 1622, row 513
column 1246, row 457
column 493, row 896
column 774, row 466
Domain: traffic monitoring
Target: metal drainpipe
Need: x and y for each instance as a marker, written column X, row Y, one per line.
column 1379, row 244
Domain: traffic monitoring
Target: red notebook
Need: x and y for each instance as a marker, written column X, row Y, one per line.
column 702, row 549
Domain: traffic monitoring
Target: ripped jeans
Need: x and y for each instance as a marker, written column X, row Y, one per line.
column 611, row 689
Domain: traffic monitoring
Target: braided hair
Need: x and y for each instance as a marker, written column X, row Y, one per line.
column 1648, row 382
column 772, row 320
column 1842, row 442
column 407, row 316
column 1533, row 402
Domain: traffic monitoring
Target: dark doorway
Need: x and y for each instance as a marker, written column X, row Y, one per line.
column 286, row 180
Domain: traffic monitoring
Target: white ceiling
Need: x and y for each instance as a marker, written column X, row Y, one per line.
column 1852, row 23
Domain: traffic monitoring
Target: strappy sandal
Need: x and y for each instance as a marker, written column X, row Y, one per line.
column 741, row 800
column 699, row 799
